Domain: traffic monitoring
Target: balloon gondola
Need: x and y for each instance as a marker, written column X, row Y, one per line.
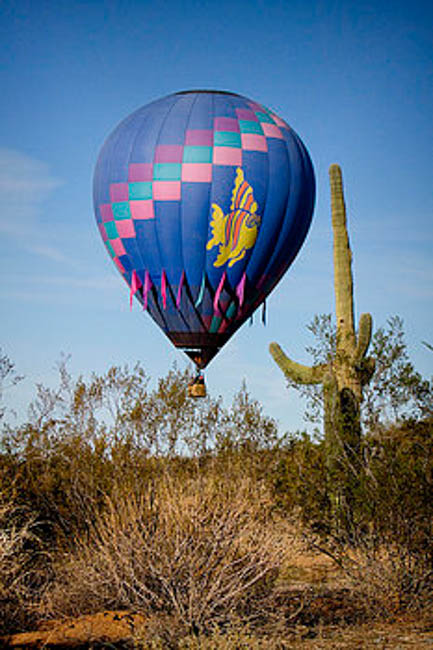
column 203, row 200
column 197, row 387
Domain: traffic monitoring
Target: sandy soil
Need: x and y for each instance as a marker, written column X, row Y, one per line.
column 114, row 629
column 104, row 627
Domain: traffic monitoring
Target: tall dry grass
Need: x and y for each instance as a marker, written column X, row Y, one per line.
column 200, row 552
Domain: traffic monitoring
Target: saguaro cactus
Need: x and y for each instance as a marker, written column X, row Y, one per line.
column 344, row 377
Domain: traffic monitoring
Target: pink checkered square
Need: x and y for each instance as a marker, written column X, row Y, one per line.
column 142, row 209
column 118, row 247
column 280, row 122
column 197, row 172
column 227, row 156
column 169, row 153
column 199, row 137
column 271, row 130
column 226, row 124
column 102, row 231
column 254, row 142
column 140, row 172
column 257, row 107
column 118, row 192
column 106, row 212
column 125, row 228
column 166, row 190
column 245, row 114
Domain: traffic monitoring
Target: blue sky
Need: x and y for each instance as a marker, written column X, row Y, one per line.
column 354, row 79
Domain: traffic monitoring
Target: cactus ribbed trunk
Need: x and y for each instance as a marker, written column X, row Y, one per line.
column 344, row 377
column 343, row 282
column 343, row 286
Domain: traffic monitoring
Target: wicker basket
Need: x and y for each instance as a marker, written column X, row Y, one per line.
column 197, row 390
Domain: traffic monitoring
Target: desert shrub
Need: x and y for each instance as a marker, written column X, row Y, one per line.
column 388, row 579
column 394, row 483
column 397, row 531
column 300, row 482
column 200, row 551
column 62, row 480
column 85, row 440
column 383, row 538
column 385, row 546
column 398, row 481
column 20, row 578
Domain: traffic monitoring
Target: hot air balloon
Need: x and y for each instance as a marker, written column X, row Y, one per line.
column 203, row 200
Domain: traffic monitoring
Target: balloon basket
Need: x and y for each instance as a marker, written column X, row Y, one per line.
column 197, row 387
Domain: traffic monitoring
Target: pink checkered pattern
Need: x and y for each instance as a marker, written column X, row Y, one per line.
column 227, row 156
column 254, row 142
column 125, row 228
column 118, row 247
column 140, row 172
column 197, row 172
column 245, row 114
column 199, row 137
column 166, row 190
column 227, row 150
column 226, row 124
column 168, row 153
column 103, row 232
column 272, row 130
column 142, row 209
column 279, row 121
column 106, row 212
column 118, row 192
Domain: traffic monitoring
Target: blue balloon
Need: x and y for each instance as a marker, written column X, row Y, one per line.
column 203, row 200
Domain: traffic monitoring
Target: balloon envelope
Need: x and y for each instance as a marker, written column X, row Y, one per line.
column 203, row 199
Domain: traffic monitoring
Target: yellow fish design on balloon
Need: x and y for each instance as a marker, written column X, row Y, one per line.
column 236, row 231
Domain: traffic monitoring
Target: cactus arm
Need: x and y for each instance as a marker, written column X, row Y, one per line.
column 343, row 282
column 296, row 371
column 364, row 337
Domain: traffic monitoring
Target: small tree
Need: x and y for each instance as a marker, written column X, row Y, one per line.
column 396, row 392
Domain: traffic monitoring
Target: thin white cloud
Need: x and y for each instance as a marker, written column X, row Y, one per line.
column 25, row 183
column 49, row 252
